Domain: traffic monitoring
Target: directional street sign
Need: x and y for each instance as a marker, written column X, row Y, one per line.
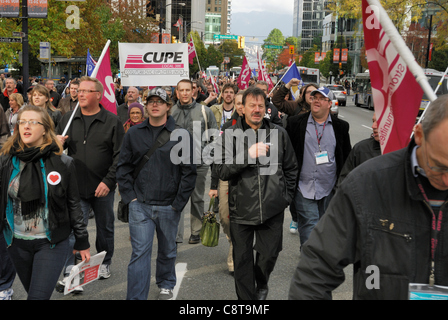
column 225, row 37
column 18, row 34
column 273, row 47
column 10, row 39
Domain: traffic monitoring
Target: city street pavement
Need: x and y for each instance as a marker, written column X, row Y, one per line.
column 202, row 271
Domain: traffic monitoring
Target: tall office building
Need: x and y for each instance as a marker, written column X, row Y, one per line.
column 191, row 11
column 308, row 20
column 217, row 18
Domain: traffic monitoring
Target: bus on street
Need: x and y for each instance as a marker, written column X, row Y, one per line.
column 363, row 90
column 309, row 75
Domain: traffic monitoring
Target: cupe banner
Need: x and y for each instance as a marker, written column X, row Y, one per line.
column 153, row 64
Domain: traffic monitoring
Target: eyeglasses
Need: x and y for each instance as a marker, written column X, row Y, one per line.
column 87, row 91
column 319, row 99
column 158, row 102
column 435, row 169
column 32, row 123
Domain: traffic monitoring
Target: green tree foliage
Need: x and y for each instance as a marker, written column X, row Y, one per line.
column 275, row 38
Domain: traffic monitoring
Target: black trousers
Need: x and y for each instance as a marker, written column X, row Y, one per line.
column 266, row 240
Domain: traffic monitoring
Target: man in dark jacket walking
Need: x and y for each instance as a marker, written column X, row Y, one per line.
column 262, row 180
column 156, row 196
column 388, row 219
column 94, row 140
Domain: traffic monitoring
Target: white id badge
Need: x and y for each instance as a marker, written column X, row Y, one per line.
column 321, row 157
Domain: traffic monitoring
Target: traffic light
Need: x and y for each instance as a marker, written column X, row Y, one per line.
column 340, row 65
column 291, row 50
column 173, row 39
column 241, row 42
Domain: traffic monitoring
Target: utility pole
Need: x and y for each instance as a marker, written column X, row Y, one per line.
column 429, row 41
column 25, row 47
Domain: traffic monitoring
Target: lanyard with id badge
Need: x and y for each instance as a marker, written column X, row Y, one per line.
column 321, row 156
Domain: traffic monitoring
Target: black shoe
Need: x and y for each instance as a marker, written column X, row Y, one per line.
column 262, row 294
column 194, row 239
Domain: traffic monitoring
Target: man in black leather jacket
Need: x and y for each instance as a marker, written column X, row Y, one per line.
column 388, row 217
column 261, row 185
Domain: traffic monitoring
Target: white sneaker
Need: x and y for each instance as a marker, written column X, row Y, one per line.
column 165, row 294
column 6, row 294
column 293, row 227
column 60, row 286
column 104, row 271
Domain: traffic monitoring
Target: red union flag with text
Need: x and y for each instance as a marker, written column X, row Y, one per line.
column 396, row 93
column 244, row 77
column 104, row 75
column 191, row 51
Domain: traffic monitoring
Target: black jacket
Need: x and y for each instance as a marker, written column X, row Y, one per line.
column 161, row 182
column 95, row 149
column 254, row 194
column 66, row 201
column 361, row 152
column 296, row 129
column 378, row 217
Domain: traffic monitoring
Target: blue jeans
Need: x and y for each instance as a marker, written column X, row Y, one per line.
column 38, row 265
column 144, row 221
column 309, row 212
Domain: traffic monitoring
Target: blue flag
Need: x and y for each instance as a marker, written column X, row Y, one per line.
column 292, row 73
column 90, row 64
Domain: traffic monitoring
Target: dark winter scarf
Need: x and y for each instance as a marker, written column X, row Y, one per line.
column 31, row 186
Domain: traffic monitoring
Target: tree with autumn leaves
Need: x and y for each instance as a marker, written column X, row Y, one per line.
column 99, row 21
column 407, row 16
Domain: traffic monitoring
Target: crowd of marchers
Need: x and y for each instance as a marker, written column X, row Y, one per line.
column 61, row 165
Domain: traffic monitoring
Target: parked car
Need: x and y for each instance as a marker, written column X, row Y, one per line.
column 339, row 93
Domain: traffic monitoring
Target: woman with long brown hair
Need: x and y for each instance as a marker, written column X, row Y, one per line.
column 39, row 203
column 40, row 97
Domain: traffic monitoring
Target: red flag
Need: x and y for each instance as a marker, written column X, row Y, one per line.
column 396, row 93
column 262, row 74
column 244, row 77
column 191, row 51
column 104, row 75
column 215, row 86
column 179, row 23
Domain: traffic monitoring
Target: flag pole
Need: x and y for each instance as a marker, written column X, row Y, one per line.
column 93, row 75
column 403, row 49
column 283, row 76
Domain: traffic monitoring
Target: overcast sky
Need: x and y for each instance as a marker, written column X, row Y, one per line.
column 284, row 6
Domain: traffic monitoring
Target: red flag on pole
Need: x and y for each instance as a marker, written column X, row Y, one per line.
column 396, row 93
column 262, row 74
column 244, row 77
column 104, row 75
column 191, row 51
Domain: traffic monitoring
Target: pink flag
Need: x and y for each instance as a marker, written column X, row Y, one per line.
column 191, row 51
column 215, row 86
column 262, row 74
column 396, row 93
column 244, row 77
column 104, row 75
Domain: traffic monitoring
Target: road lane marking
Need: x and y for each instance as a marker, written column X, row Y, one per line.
column 181, row 269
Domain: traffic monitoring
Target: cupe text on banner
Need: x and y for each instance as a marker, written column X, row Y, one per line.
column 151, row 64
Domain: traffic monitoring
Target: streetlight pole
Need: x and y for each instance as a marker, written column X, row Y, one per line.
column 166, row 15
column 25, row 46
